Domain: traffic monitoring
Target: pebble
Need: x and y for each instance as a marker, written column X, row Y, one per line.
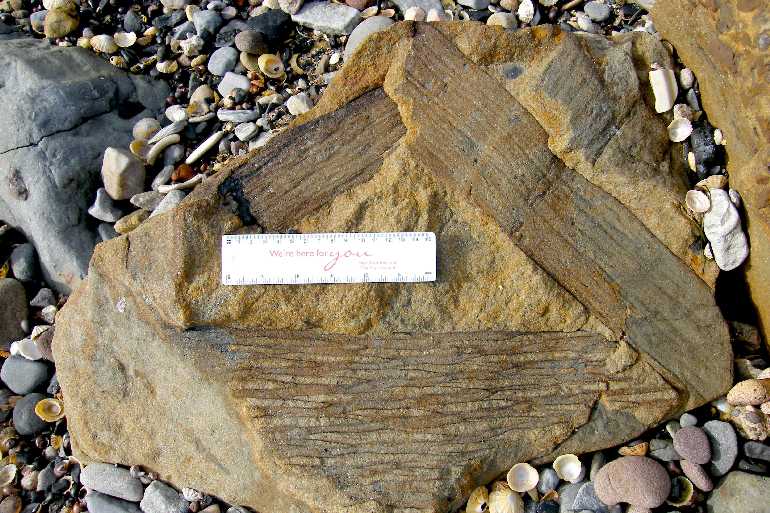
column 672, row 427
column 526, row 11
column 122, row 173
column 329, row 18
column 37, row 21
column 366, row 28
column 103, row 208
column 299, row 103
column 237, row 116
column 246, row 131
column 25, row 420
column 49, row 314
column 695, row 473
column 274, row 25
column 46, row 478
column 586, row 499
column 59, row 22
column 598, row 460
column 415, row 13
column 597, row 11
column 207, row 23
column 750, row 422
column 753, row 466
column 223, row 60
column 637, row 480
column 474, row 4
column 23, row 262
column 112, row 480
column 724, row 446
column 147, row 200
column 548, row 480
column 567, row 494
column 44, row 297
column 585, row 24
column 163, row 176
column 686, row 78
column 173, row 154
column 171, row 200
column 13, row 310
column 106, row 232
column 757, row 451
column 741, row 492
column 101, row 503
column 722, row 227
column 251, row 41
column 129, row 223
column 232, row 81
column 688, row 419
column 692, row 444
column 506, row 20
column 749, row 392
column 161, row 498
column 23, row 376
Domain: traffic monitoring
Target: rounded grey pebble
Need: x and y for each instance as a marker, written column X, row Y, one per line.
column 101, row 503
column 598, row 460
column 757, row 451
column 223, row 60
column 597, row 11
column 44, row 297
column 548, row 481
column 23, row 376
column 113, row 481
column 724, row 446
column 23, row 262
column 46, row 478
column 25, row 420
column 161, row 498
column 688, row 419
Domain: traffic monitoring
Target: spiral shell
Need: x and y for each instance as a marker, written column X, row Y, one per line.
column 270, row 65
column 50, row 409
column 124, row 39
column 104, row 44
column 522, row 477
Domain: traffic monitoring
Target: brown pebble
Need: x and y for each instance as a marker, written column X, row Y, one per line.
column 749, row 392
column 695, row 473
column 750, row 422
column 182, row 173
column 252, row 42
column 639, row 449
column 358, row 4
column 692, row 444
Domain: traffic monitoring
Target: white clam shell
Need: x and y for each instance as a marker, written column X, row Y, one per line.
column 7, row 474
column 176, row 113
column 369, row 12
column 664, row 88
column 569, row 468
column 167, row 67
column 145, row 128
column 522, row 477
column 104, row 43
column 161, row 145
column 124, row 39
column 526, row 11
column 679, row 129
column 697, row 201
column 504, row 500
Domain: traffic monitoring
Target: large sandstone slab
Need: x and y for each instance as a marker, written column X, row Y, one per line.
column 727, row 44
column 566, row 316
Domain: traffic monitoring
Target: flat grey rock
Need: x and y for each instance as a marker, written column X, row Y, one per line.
column 724, row 446
column 24, row 262
column 100, row 503
column 112, row 480
column 757, row 450
column 25, row 420
column 161, row 498
column 171, row 200
column 474, row 4
column 13, row 310
column 51, row 161
column 103, row 208
column 327, row 17
column 23, row 376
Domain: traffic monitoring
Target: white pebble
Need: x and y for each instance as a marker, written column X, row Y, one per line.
column 664, row 88
column 506, row 20
column 526, row 11
column 722, row 227
column 679, row 129
column 435, row 15
column 718, row 137
column 299, row 104
column 686, row 78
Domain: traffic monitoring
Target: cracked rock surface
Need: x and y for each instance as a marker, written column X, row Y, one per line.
column 567, row 315
column 63, row 103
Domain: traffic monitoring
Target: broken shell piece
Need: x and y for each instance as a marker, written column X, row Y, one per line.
column 205, row 146
column 176, row 113
column 722, row 227
column 691, row 161
column 173, row 128
column 124, row 39
column 569, row 468
column 167, row 67
column 712, row 182
column 369, row 12
column 139, row 148
column 504, row 500
column 719, row 138
column 189, row 184
column 104, row 44
column 681, row 492
column 50, row 409
column 270, row 65
column 119, row 62
column 526, row 11
column 415, row 13
column 697, row 201
column 27, row 348
column 145, row 128
column 7, row 474
column 192, row 46
column 477, row 501
column 679, row 129
column 734, row 197
column 522, row 477
column 161, row 145
column 682, row 110
column 664, row 88
column 84, row 42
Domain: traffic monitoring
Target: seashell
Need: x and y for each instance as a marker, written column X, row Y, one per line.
column 173, row 128
column 119, row 62
column 415, row 13
column 249, row 61
column 682, row 110
column 167, row 67
column 11, row 504
column 370, row 11
column 192, row 46
column 50, row 409
column 697, row 201
column 569, row 468
column 686, row 78
column 176, row 113
column 526, row 11
column 84, row 42
column 735, row 197
column 664, row 88
column 522, row 477
column 335, row 58
column 29, row 481
column 124, row 39
column 56, row 441
column 691, row 161
column 388, row 13
column 681, row 492
column 144, row 40
column 434, row 15
column 477, row 501
column 639, row 449
column 200, row 119
column 28, row 349
column 7, row 475
column 679, row 129
column 205, row 146
column 270, row 65
column 145, row 128
column 712, row 182
column 719, row 138
column 161, row 145
column 104, row 44
column 188, row 184
column 504, row 500
column 139, row 148
column 295, row 66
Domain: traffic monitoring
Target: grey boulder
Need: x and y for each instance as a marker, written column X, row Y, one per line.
column 51, row 158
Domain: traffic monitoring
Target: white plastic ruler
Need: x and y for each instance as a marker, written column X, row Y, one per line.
column 299, row 259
